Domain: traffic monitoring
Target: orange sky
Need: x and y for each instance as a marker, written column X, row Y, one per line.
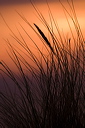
column 13, row 20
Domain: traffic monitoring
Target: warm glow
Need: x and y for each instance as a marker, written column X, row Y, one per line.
column 13, row 20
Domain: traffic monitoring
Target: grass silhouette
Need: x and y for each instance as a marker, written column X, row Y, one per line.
column 55, row 95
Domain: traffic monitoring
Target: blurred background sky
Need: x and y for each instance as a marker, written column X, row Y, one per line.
column 3, row 2
column 7, row 10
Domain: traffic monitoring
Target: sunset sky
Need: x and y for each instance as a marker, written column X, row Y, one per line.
column 3, row 2
column 42, row 63
column 7, row 10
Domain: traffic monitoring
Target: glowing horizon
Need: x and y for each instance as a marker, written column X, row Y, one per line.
column 13, row 20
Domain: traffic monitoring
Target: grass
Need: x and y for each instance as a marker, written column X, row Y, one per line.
column 54, row 96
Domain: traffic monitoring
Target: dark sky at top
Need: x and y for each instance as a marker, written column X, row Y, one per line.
column 4, row 2
column 20, row 1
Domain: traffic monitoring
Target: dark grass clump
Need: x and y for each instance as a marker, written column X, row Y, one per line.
column 53, row 95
